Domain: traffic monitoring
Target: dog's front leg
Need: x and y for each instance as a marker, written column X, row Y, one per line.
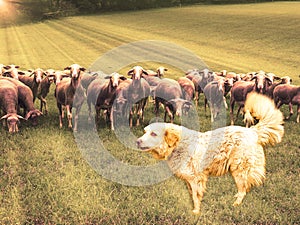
column 196, row 197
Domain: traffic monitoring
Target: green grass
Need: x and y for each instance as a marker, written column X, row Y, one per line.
column 46, row 180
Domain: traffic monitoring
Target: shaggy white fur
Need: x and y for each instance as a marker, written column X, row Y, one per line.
column 193, row 156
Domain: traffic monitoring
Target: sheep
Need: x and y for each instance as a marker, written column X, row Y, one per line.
column 290, row 95
column 188, row 88
column 137, row 94
column 25, row 100
column 214, row 92
column 283, row 80
column 12, row 71
column 102, row 93
column 120, row 108
column 160, row 72
column 205, row 76
column 168, row 92
column 87, row 79
column 59, row 76
column 69, row 93
column 8, row 104
column 44, row 89
column 33, row 81
column 259, row 83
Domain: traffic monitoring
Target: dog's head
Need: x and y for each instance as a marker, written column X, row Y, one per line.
column 160, row 139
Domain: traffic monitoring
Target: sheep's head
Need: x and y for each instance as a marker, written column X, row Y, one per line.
column 262, row 82
column 12, row 121
column 161, row 71
column 115, row 79
column 136, row 72
column 38, row 75
column 75, row 70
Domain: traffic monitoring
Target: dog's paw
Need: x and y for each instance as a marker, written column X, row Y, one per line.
column 196, row 211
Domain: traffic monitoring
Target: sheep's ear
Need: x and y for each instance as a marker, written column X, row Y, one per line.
column 82, row 69
column 21, row 73
column 123, row 78
column 20, row 117
column 7, row 67
column 107, row 77
column 166, row 69
column 17, row 67
column 172, row 139
column 145, row 72
column 130, row 72
column 4, row 117
column 67, row 68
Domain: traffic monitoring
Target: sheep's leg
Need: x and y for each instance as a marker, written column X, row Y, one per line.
column 196, row 98
column 298, row 114
column 170, row 114
column 212, row 112
column 156, row 109
column 291, row 111
column 69, row 115
column 205, row 104
column 238, row 112
column 76, row 119
column 44, row 105
column 59, row 106
column 90, row 111
column 112, row 119
column 130, row 117
column 231, row 111
column 225, row 103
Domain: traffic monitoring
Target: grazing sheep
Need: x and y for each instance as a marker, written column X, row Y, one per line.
column 137, row 94
column 259, row 83
column 25, row 100
column 187, row 87
column 102, row 93
column 69, row 93
column 168, row 92
column 214, row 92
column 8, row 104
column 283, row 80
column 44, row 88
column 289, row 95
column 205, row 76
column 33, row 81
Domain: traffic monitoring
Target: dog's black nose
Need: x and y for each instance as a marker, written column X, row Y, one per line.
column 138, row 143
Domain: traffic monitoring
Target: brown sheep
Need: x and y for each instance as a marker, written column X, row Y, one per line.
column 289, row 95
column 69, row 93
column 8, row 104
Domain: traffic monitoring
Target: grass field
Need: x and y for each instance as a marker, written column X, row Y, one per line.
column 46, row 180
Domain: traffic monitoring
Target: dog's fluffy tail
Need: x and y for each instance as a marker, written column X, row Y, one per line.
column 270, row 126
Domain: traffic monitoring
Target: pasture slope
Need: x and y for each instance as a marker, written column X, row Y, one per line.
column 44, row 179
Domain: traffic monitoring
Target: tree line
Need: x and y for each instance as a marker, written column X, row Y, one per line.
column 46, row 9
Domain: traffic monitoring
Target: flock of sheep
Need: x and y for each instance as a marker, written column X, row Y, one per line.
column 123, row 97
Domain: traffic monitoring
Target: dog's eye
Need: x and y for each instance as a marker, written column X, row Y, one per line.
column 153, row 134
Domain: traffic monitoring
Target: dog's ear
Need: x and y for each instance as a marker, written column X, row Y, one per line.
column 172, row 139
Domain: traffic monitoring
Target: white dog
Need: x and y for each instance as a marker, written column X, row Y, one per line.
column 193, row 156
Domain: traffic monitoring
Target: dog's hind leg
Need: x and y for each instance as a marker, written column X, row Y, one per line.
column 241, row 183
